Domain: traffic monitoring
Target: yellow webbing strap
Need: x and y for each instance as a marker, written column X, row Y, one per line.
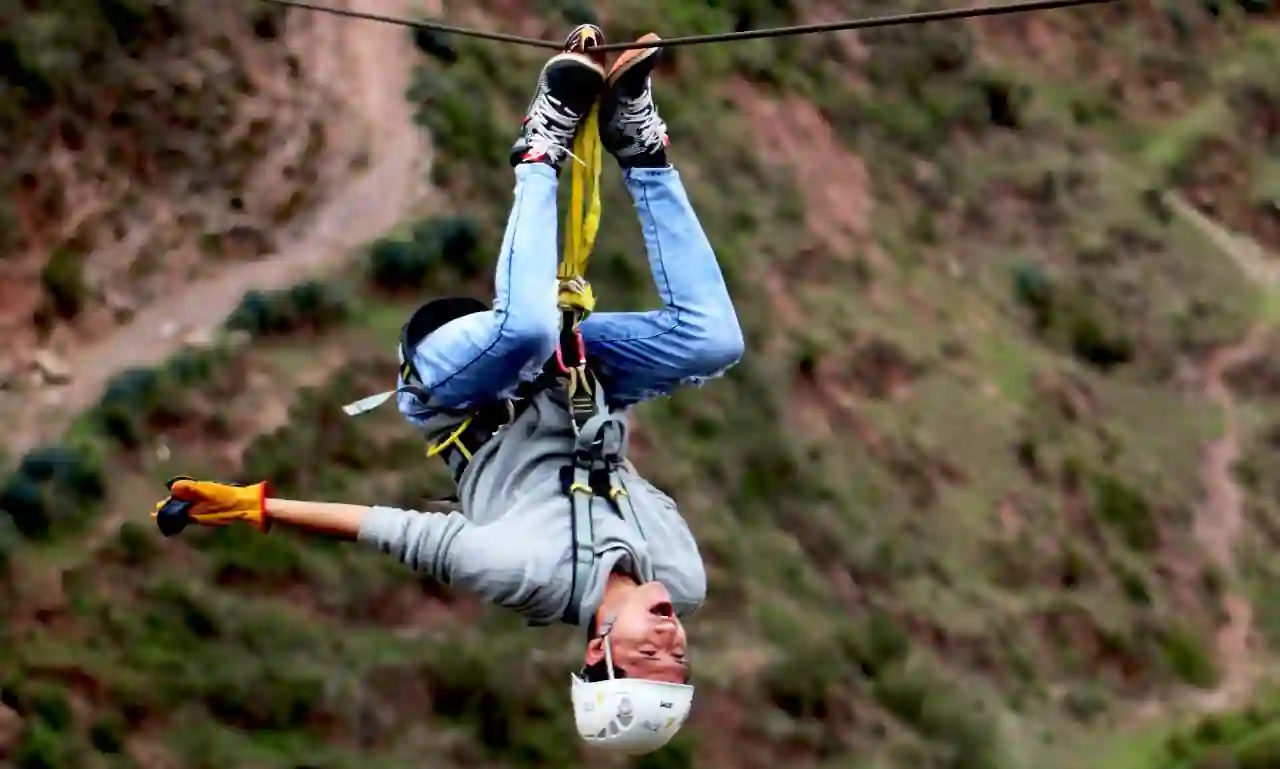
column 454, row 439
column 583, row 220
column 581, row 226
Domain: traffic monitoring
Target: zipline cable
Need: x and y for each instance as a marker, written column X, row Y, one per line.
column 919, row 17
column 427, row 25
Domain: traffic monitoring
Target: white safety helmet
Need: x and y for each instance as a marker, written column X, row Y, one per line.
column 630, row 716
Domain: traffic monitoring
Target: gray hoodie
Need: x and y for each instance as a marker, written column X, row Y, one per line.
column 513, row 546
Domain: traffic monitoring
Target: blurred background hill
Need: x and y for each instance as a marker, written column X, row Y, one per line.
column 995, row 486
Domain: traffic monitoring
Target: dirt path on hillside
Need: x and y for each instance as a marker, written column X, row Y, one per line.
column 369, row 65
column 1220, row 519
column 1219, row 522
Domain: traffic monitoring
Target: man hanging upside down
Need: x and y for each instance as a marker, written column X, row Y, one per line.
column 555, row 524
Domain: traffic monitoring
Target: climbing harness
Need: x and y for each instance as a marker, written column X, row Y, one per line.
column 600, row 436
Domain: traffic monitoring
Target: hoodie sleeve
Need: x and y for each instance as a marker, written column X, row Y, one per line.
column 482, row 560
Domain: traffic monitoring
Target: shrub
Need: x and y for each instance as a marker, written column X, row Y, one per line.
column 174, row 616
column 265, row 695
column 1006, row 101
column 259, row 313
column 802, row 683
column 42, row 747
column 21, row 499
column 1034, row 291
column 876, row 644
column 134, row 543
column 1071, row 317
column 139, row 399
column 53, row 486
column 467, row 129
column 1188, row 658
column 1126, row 509
column 942, row 711
column 108, row 733
column 1086, row 701
column 519, row 722
column 453, row 240
column 1224, row 7
column 397, row 265
column 64, row 286
column 1134, row 584
column 240, row 554
column 1217, row 757
column 1260, row 751
column 1095, row 342
column 403, row 265
column 191, row 367
column 129, row 399
column 1215, row 728
column 435, row 44
column 48, row 703
column 10, row 541
column 309, row 306
column 572, row 12
column 127, row 406
column 320, row 446
column 318, row 305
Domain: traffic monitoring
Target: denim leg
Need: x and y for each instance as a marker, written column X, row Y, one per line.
column 695, row 336
column 484, row 356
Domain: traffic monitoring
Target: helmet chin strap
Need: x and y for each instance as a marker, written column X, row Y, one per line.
column 605, row 628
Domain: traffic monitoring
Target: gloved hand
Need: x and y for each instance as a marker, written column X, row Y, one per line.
column 209, row 503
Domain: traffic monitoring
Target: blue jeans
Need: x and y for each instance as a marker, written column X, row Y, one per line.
column 484, row 357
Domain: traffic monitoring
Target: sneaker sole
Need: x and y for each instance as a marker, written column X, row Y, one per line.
column 631, row 57
column 584, row 39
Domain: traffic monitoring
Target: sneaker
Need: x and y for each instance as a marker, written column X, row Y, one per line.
column 568, row 87
column 584, row 39
column 630, row 127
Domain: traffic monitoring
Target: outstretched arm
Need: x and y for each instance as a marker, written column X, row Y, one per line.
column 445, row 546
column 425, row 542
column 332, row 518
column 480, row 560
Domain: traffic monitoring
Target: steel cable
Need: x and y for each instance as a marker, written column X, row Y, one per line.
column 919, row 17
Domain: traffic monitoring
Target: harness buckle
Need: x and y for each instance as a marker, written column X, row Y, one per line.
column 574, row 335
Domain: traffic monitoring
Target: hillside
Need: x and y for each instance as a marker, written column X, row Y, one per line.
column 993, row 487
column 217, row 150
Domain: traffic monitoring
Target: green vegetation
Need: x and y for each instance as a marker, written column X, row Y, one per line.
column 948, row 501
column 53, row 486
column 311, row 306
column 189, row 389
column 432, row 249
column 63, row 285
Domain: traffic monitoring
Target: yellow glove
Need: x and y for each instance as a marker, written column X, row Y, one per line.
column 213, row 504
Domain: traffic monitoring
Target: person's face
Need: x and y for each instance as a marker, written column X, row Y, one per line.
column 646, row 639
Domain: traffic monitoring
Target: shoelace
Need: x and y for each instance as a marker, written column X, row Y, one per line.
column 640, row 118
column 545, row 137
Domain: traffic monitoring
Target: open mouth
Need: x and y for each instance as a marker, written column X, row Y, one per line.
column 662, row 609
